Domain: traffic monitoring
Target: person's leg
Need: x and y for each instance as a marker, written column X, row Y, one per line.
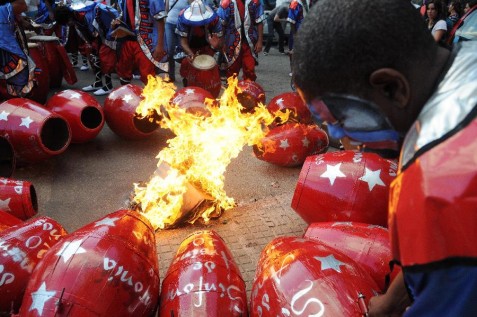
column 144, row 65
column 171, row 40
column 281, row 36
column 270, row 26
column 125, row 64
column 248, row 63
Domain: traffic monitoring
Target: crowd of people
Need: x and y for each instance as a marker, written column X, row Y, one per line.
column 141, row 38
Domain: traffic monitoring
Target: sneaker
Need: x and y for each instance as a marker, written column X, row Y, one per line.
column 265, row 53
column 90, row 88
column 290, row 74
column 84, row 67
column 103, row 91
column 282, row 52
column 74, row 65
column 136, row 76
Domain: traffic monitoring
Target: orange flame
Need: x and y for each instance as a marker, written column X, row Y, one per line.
column 198, row 156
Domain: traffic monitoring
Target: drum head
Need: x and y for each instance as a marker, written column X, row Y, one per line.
column 204, row 62
column 43, row 38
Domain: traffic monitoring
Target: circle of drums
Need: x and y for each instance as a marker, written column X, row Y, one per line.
column 110, row 267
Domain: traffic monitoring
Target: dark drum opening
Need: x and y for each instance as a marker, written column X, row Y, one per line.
column 7, row 158
column 34, row 199
column 147, row 124
column 55, row 134
column 91, row 117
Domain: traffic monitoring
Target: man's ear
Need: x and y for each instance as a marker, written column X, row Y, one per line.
column 391, row 84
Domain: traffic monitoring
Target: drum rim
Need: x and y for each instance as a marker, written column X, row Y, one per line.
column 45, row 38
column 208, row 57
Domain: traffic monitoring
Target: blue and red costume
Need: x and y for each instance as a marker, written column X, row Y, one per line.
column 433, row 213
column 141, row 18
column 15, row 65
column 241, row 35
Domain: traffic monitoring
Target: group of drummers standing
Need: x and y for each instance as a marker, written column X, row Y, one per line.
column 132, row 37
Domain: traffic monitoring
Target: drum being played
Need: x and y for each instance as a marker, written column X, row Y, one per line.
column 204, row 73
column 39, row 92
column 59, row 65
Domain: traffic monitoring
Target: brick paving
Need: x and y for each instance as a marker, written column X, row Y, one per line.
column 246, row 230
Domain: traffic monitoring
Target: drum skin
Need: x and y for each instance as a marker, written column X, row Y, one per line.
column 291, row 101
column 34, row 132
column 7, row 157
column 203, row 280
column 251, row 93
column 368, row 245
column 7, row 220
column 18, row 198
column 82, row 111
column 344, row 186
column 39, row 92
column 106, row 268
column 22, row 248
column 290, row 144
column 120, row 113
column 193, row 100
column 204, row 73
column 302, row 277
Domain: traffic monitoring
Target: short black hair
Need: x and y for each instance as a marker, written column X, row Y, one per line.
column 341, row 42
column 63, row 14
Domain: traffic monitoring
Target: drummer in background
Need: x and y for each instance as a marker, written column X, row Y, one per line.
column 201, row 33
column 82, row 18
column 140, row 35
column 15, row 65
column 243, row 31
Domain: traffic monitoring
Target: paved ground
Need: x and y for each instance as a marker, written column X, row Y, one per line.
column 91, row 180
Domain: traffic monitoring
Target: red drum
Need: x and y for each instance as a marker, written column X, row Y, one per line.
column 204, row 73
column 39, row 92
column 302, row 277
column 203, row 280
column 120, row 114
column 193, row 100
column 344, row 186
column 291, row 101
column 368, row 245
column 18, row 198
column 106, row 268
column 23, row 246
column 7, row 156
column 7, row 220
column 251, row 94
column 82, row 111
column 34, row 132
column 291, row 143
column 59, row 65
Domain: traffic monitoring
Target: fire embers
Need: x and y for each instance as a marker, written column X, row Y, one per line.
column 203, row 280
column 18, row 198
column 120, row 114
column 367, row 245
column 106, row 268
column 82, row 112
column 21, row 249
column 344, row 186
column 301, row 277
column 290, row 144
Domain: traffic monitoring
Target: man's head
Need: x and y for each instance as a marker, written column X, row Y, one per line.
column 378, row 51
